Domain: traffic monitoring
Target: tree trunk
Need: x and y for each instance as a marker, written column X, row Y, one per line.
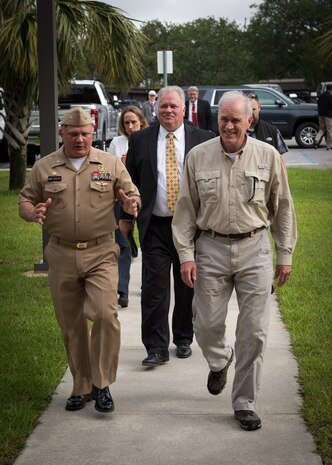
column 18, row 167
column 17, row 130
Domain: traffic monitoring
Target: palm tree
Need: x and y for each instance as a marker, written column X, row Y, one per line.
column 324, row 42
column 111, row 38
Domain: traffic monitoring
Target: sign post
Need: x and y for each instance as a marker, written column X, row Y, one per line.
column 48, row 90
column 165, row 64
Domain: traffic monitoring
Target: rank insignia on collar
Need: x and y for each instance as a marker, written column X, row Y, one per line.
column 101, row 174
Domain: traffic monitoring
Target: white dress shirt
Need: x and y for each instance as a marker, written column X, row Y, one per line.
column 160, row 206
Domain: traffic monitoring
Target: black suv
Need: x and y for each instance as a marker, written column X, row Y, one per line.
column 293, row 119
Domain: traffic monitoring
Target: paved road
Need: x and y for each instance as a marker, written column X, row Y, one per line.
column 308, row 158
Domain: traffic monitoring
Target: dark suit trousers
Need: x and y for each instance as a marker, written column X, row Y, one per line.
column 158, row 254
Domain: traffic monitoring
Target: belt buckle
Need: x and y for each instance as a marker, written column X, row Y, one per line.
column 81, row 245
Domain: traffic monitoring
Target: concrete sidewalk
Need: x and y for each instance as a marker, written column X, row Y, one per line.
column 165, row 416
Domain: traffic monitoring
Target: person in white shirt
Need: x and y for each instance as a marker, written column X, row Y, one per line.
column 131, row 120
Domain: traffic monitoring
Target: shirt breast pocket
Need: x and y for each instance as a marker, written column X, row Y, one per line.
column 101, row 195
column 256, row 182
column 57, row 192
column 208, row 183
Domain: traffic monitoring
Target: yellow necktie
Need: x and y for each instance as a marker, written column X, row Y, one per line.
column 172, row 173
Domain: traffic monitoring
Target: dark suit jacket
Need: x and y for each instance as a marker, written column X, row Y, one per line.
column 141, row 162
column 325, row 104
column 204, row 115
column 146, row 108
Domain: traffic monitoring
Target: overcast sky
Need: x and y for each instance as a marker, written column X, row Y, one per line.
column 181, row 11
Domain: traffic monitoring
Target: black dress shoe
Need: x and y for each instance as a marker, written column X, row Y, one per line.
column 77, row 402
column 217, row 379
column 153, row 360
column 104, row 402
column 183, row 351
column 248, row 419
column 123, row 300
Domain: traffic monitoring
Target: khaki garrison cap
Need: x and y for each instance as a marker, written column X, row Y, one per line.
column 76, row 117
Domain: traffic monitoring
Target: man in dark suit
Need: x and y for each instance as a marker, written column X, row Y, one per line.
column 198, row 111
column 146, row 162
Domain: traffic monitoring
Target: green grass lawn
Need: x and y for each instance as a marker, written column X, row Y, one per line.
column 306, row 301
column 33, row 360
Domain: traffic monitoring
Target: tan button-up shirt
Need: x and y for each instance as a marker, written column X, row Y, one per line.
column 234, row 197
column 82, row 201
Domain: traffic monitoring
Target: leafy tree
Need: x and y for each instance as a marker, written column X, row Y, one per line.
column 209, row 52
column 157, row 34
column 205, row 51
column 282, row 37
column 113, row 41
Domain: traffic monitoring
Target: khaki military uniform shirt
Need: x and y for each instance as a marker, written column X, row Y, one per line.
column 82, row 201
column 234, row 197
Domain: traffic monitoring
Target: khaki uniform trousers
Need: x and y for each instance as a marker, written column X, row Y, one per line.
column 244, row 265
column 83, row 286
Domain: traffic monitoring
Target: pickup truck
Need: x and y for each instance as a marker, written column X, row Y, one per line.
column 293, row 119
column 92, row 97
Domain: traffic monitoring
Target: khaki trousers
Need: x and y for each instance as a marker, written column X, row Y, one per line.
column 246, row 266
column 83, row 285
column 325, row 129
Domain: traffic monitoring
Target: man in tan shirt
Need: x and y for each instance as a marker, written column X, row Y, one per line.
column 72, row 192
column 235, row 190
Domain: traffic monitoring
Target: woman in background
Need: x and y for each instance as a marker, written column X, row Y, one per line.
column 131, row 120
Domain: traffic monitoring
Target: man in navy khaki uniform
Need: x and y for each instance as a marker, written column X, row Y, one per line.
column 72, row 192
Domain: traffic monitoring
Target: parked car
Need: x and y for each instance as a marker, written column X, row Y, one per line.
column 272, row 85
column 322, row 87
column 292, row 118
column 92, row 97
column 126, row 102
